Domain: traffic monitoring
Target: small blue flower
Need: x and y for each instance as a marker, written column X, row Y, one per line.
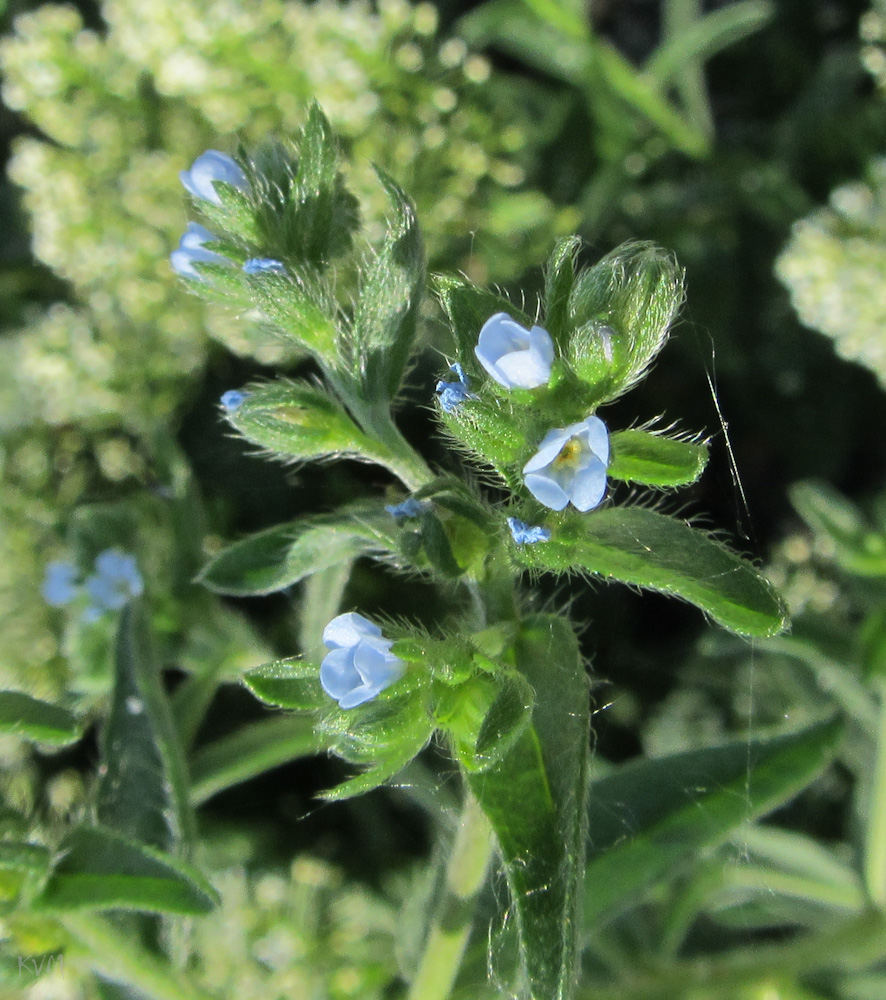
column 192, row 251
column 359, row 663
column 232, row 399
column 570, row 466
column 410, row 507
column 59, row 584
column 264, row 265
column 515, row 357
column 527, row 534
column 453, row 394
column 115, row 582
column 208, row 169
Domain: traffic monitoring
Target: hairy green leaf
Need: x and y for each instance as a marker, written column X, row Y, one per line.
column 279, row 557
column 535, row 800
column 658, row 552
column 289, row 683
column 649, row 818
column 653, row 460
column 37, row 720
column 99, row 869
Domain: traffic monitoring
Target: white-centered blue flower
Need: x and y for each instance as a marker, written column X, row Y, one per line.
column 527, row 534
column 208, row 169
column 59, row 584
column 570, row 466
column 115, row 582
column 191, row 251
column 359, row 663
column 515, row 357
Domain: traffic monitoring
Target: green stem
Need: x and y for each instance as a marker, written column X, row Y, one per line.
column 448, row 937
column 875, row 835
column 122, row 960
column 854, row 943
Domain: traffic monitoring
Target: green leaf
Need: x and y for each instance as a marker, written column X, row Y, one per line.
column 857, row 548
column 279, row 557
column 299, row 306
column 299, row 420
column 620, row 312
column 437, row 545
column 390, row 295
column 467, row 308
column 99, row 869
column 143, row 791
column 290, row 683
column 559, row 278
column 649, row 818
column 658, row 552
column 707, row 36
column 505, row 722
column 250, row 751
column 37, row 720
column 535, row 800
column 653, row 460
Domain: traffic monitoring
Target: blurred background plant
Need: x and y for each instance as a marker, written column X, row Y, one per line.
column 747, row 136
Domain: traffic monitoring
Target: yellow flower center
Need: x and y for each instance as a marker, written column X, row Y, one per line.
column 569, row 455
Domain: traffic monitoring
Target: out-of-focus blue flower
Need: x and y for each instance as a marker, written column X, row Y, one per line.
column 232, row 399
column 207, row 169
column 264, row 265
column 453, row 394
column 359, row 663
column 527, row 534
column 410, row 507
column 515, row 357
column 115, row 582
column 59, row 583
column 192, row 251
column 570, row 466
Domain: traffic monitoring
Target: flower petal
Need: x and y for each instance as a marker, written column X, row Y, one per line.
column 377, row 667
column 589, row 486
column 523, row 370
column 540, row 342
column 550, row 447
column 348, row 629
column 338, row 676
column 597, row 436
column 546, row 491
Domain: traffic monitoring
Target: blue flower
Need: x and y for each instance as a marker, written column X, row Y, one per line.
column 453, row 394
column 359, row 663
column 208, row 169
column 192, row 251
column 527, row 534
column 410, row 507
column 264, row 265
column 232, row 399
column 59, row 584
column 570, row 466
column 115, row 582
column 515, row 357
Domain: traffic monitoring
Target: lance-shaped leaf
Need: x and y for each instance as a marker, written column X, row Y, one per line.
column 279, row 557
column 299, row 305
column 298, row 420
column 37, row 720
column 99, row 869
column 144, row 788
column 467, row 308
column 620, row 312
column 559, row 278
column 250, row 751
column 534, row 798
column 653, row 460
column 651, row 550
column 649, row 818
column 387, row 309
column 291, row 683
column 858, row 548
